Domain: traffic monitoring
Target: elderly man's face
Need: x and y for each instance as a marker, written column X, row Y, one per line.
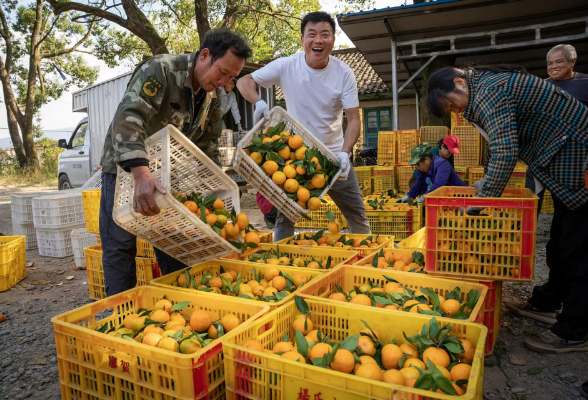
column 558, row 66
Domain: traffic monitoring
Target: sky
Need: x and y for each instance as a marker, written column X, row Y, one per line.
column 58, row 120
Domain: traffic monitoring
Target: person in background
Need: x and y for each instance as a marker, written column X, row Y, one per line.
column 267, row 209
column 165, row 89
column 526, row 117
column 560, row 68
column 317, row 88
column 433, row 172
column 228, row 101
column 446, row 148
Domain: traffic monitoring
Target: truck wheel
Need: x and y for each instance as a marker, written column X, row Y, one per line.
column 64, row 183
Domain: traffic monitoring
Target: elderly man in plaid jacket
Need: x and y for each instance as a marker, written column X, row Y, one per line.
column 523, row 116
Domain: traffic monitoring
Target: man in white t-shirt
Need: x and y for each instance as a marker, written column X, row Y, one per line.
column 317, row 89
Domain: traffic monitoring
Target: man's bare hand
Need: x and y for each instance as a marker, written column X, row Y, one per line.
column 145, row 187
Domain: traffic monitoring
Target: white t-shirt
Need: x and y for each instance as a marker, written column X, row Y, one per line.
column 315, row 97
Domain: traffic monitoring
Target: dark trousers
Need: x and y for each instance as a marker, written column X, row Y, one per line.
column 567, row 259
column 119, row 247
column 530, row 184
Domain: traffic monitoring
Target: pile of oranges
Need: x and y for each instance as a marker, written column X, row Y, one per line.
column 397, row 260
column 444, row 358
column 271, row 285
column 173, row 327
column 275, row 257
column 301, row 172
column 228, row 225
column 320, row 239
column 395, row 296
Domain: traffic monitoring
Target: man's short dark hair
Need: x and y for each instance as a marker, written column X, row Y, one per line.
column 317, row 16
column 442, row 145
column 218, row 41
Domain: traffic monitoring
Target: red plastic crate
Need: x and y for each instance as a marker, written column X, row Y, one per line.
column 498, row 246
column 491, row 312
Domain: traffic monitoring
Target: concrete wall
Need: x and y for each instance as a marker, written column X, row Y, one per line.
column 406, row 108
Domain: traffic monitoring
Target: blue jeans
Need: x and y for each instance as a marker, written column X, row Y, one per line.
column 119, row 247
column 347, row 197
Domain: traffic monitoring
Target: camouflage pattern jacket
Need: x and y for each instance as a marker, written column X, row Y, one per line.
column 159, row 93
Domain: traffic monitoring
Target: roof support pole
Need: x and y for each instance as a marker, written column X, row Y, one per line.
column 395, row 119
column 418, row 109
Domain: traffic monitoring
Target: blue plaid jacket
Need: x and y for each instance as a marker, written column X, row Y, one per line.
column 528, row 118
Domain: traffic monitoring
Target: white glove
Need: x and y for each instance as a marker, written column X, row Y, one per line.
column 421, row 199
column 479, row 184
column 261, row 111
column 404, row 199
column 343, row 157
column 239, row 127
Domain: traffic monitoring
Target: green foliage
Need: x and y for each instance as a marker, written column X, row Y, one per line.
column 47, row 153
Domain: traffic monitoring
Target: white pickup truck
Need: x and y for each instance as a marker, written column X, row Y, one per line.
column 81, row 157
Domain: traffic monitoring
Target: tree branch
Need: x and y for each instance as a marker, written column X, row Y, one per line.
column 60, row 7
column 175, row 13
column 73, row 48
column 41, row 80
column 7, row 36
column 46, row 32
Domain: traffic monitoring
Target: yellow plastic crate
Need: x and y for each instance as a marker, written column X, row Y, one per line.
column 349, row 277
column 91, row 201
column 144, row 249
column 338, row 256
column 364, row 177
column 247, row 270
column 94, row 365
column 147, row 269
column 13, row 261
column 462, row 173
column 386, row 148
column 415, row 242
column 547, row 205
column 516, row 180
column 470, row 146
column 432, row 134
column 266, row 237
column 406, row 141
column 458, row 120
column 383, row 179
column 367, row 260
column 400, row 223
column 318, row 218
column 260, row 375
column 361, row 252
column 405, row 172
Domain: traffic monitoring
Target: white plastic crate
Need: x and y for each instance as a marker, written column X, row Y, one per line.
column 237, row 137
column 81, row 238
column 181, row 167
column 226, row 138
column 55, row 242
column 27, row 230
column 21, row 206
column 62, row 210
column 256, row 177
column 226, row 155
column 95, row 182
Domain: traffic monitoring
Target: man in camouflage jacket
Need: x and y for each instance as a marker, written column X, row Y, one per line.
column 180, row 90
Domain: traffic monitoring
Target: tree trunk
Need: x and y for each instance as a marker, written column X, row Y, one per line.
column 15, row 137
column 202, row 23
column 140, row 25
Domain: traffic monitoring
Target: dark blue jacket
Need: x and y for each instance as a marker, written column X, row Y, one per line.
column 441, row 174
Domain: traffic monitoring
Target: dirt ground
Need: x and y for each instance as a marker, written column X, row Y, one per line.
column 28, row 364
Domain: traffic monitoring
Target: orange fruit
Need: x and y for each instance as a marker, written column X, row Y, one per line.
column 437, row 356
column 367, row 345
column 422, row 307
column 284, row 153
column 190, row 205
column 343, row 361
column 295, row 142
column 301, row 152
column 314, row 203
column 338, row 296
column 318, row 166
column 364, row 360
column 370, row 371
column 409, row 349
column 270, row 167
column 256, row 157
column 410, row 382
column 271, row 273
column 290, row 172
column 242, row 221
column 232, row 230
column 394, row 377
column 319, row 350
column 300, row 170
column 153, row 329
column 444, row 371
column 410, row 373
column 468, row 351
column 312, row 336
column 279, row 282
column 294, row 356
column 457, row 389
column 413, row 362
column 200, row 321
column 391, row 354
column 303, row 194
column 206, row 210
column 253, row 345
column 159, row 315
column 211, row 219
column 318, row 181
column 266, row 140
column 279, row 177
column 282, row 346
column 152, row 339
column 299, row 279
column 128, row 321
column 450, row 307
column 230, row 322
column 299, row 324
column 164, row 304
column 291, row 185
column 460, row 371
column 252, row 237
column 170, row 344
column 361, row 299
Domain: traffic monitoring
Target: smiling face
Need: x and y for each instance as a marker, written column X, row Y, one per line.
column 318, row 42
column 230, row 86
column 458, row 100
column 209, row 76
column 558, row 66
